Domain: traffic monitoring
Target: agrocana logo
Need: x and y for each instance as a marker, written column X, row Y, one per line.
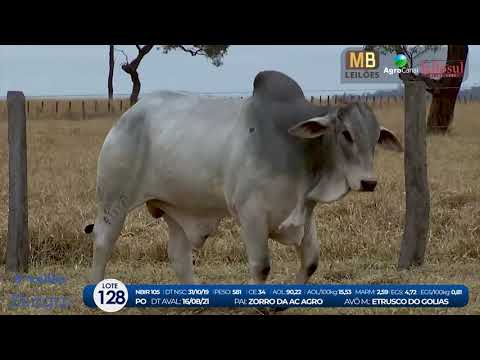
column 400, row 61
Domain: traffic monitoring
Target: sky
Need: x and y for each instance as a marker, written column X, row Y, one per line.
column 63, row 70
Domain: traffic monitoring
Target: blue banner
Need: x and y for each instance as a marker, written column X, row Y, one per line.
column 271, row 295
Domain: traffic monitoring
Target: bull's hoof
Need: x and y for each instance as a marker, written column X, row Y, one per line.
column 278, row 309
column 263, row 311
column 271, row 310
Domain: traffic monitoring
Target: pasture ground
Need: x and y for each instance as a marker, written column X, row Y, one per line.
column 359, row 235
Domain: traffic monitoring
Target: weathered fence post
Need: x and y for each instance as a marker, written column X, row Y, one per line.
column 83, row 109
column 18, row 247
column 417, row 217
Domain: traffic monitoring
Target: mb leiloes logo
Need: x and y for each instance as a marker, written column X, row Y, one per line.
column 361, row 64
column 110, row 295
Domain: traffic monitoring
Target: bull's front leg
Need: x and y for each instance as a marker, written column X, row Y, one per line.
column 254, row 234
column 308, row 251
column 180, row 252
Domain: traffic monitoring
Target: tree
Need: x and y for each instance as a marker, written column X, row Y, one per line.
column 213, row 52
column 111, row 65
column 417, row 193
column 131, row 69
column 444, row 91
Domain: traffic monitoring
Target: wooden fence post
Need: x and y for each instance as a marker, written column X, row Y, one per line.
column 417, row 217
column 83, row 109
column 18, row 248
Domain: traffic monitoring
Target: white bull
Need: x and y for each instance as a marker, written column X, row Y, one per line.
column 266, row 161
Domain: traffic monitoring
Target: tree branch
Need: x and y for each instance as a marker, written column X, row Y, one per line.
column 193, row 53
column 133, row 66
column 124, row 54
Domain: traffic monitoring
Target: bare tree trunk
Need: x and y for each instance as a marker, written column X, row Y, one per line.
column 441, row 111
column 444, row 96
column 18, row 245
column 417, row 218
column 135, row 87
column 110, row 73
column 131, row 69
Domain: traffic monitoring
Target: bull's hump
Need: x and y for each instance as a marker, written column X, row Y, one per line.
column 276, row 86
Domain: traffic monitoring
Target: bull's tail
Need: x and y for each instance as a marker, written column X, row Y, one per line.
column 89, row 228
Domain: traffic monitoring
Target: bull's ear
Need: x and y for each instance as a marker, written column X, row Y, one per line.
column 312, row 128
column 389, row 141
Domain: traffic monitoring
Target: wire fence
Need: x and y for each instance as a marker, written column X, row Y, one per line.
column 77, row 107
column 308, row 93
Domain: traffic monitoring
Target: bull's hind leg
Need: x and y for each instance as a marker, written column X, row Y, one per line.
column 106, row 231
column 180, row 252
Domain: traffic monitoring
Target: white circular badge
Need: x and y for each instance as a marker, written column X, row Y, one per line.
column 110, row 295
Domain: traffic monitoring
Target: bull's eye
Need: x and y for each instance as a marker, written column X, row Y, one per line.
column 347, row 136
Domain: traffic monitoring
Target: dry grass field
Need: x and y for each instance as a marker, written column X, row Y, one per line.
column 360, row 235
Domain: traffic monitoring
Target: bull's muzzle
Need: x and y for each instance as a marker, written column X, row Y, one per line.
column 368, row 185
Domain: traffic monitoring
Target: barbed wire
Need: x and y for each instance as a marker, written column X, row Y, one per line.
column 333, row 92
